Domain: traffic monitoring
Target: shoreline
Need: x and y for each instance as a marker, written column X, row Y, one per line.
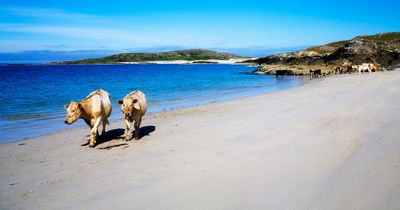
column 234, row 61
column 330, row 138
column 163, row 111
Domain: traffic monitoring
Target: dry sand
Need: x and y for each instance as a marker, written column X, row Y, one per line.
column 333, row 143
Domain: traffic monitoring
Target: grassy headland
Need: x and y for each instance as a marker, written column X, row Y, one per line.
column 186, row 55
column 381, row 49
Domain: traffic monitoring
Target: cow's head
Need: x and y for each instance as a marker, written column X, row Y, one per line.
column 73, row 112
column 128, row 105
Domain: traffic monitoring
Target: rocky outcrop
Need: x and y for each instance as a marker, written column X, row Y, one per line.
column 381, row 49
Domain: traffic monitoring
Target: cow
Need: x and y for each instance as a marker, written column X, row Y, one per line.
column 94, row 109
column 281, row 73
column 347, row 69
column 133, row 107
column 365, row 67
column 354, row 68
column 373, row 67
column 338, row 70
column 315, row 73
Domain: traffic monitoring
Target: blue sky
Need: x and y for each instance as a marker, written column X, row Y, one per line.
column 130, row 24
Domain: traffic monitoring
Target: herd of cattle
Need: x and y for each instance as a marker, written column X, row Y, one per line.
column 365, row 67
column 345, row 69
column 96, row 108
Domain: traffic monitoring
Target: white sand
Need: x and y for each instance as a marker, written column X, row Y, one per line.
column 229, row 61
column 333, row 143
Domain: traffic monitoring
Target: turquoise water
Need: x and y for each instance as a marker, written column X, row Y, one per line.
column 33, row 97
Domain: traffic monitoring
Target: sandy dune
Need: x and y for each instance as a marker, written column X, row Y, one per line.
column 333, row 143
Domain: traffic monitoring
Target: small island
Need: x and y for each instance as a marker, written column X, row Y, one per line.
column 196, row 56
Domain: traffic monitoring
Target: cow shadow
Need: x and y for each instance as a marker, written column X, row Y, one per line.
column 118, row 134
column 108, row 136
column 145, row 131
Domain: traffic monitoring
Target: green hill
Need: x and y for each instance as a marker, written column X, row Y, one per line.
column 187, row 55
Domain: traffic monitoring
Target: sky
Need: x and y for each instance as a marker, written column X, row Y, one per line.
column 128, row 25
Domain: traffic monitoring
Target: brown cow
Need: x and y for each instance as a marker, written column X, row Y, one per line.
column 281, row 73
column 338, row 70
column 133, row 107
column 315, row 73
column 94, row 109
column 347, row 69
column 373, row 67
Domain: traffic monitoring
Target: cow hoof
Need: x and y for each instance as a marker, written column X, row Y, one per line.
column 127, row 139
column 91, row 145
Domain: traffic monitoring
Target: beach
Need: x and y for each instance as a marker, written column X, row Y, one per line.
column 167, row 87
column 216, row 61
column 332, row 143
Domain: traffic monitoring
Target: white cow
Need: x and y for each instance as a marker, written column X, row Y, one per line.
column 363, row 68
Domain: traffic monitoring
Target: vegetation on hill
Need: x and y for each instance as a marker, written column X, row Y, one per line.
column 187, row 55
column 334, row 46
column 328, row 48
column 382, row 49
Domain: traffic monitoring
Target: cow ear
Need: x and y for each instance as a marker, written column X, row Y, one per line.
column 120, row 102
column 66, row 106
column 79, row 105
column 136, row 105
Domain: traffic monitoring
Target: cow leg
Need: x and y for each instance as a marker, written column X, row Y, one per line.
column 137, row 128
column 93, row 133
column 104, row 127
column 127, row 130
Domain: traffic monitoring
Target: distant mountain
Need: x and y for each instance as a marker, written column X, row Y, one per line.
column 187, row 55
column 46, row 56
column 382, row 49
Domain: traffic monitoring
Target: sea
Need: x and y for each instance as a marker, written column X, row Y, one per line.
column 32, row 97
